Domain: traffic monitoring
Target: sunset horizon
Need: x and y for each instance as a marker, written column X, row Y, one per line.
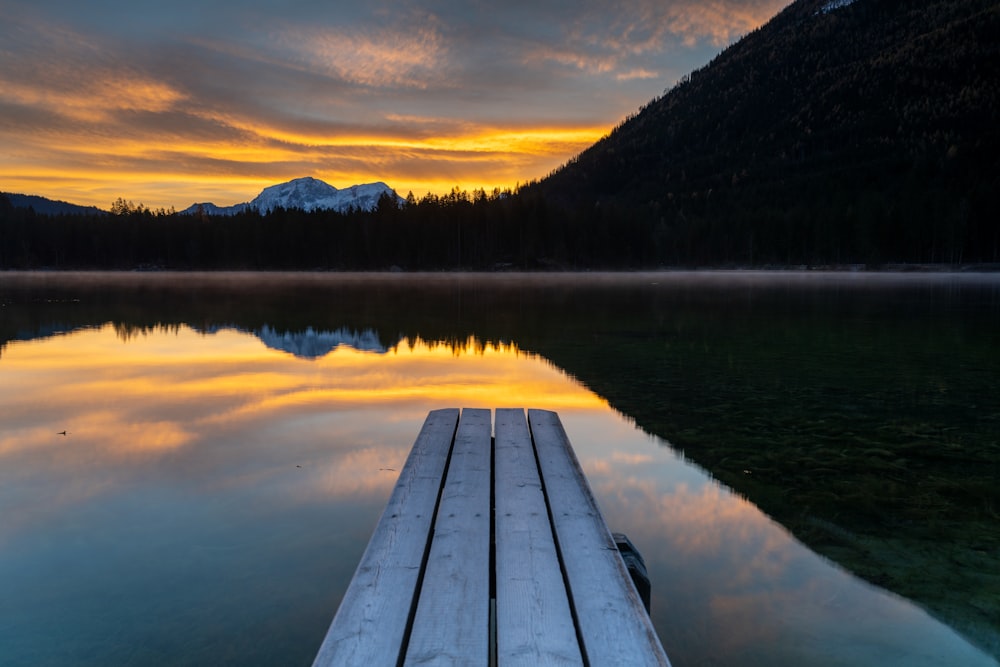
column 168, row 107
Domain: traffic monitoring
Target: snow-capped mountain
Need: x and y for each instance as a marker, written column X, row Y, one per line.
column 208, row 208
column 312, row 344
column 306, row 193
column 310, row 193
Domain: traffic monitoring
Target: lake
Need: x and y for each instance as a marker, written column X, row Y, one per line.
column 807, row 461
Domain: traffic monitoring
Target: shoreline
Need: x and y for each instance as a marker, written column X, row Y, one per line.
column 807, row 269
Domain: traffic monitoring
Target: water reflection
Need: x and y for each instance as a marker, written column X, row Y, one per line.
column 138, row 404
column 213, row 494
column 731, row 587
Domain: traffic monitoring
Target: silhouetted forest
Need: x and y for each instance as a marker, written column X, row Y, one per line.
column 862, row 134
column 865, row 133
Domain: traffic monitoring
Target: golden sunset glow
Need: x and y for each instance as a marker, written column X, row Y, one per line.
column 130, row 399
column 222, row 378
column 100, row 172
column 194, row 103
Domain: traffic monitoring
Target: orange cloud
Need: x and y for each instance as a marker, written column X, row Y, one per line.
column 406, row 57
column 158, row 170
column 639, row 73
column 642, row 29
column 719, row 21
column 69, row 74
column 120, row 91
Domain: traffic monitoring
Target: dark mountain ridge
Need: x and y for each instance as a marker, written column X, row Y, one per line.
column 836, row 132
column 46, row 206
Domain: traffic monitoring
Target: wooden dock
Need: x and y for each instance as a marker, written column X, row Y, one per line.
column 491, row 551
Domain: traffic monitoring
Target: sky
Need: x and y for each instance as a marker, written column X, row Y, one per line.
column 168, row 104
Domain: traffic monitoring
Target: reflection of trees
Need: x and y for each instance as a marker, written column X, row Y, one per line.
column 459, row 346
column 126, row 332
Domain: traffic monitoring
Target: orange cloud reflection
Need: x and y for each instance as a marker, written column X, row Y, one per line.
column 163, row 389
column 222, row 410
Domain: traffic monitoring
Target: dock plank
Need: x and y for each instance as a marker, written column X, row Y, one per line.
column 451, row 626
column 561, row 594
column 371, row 622
column 613, row 624
column 534, row 623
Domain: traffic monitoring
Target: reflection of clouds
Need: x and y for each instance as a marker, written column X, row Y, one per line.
column 96, row 433
column 728, row 580
column 111, row 435
column 74, row 469
column 596, row 468
column 219, row 410
column 370, row 471
column 698, row 522
column 631, row 458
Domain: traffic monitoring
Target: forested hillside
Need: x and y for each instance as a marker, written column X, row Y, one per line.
column 835, row 133
column 838, row 133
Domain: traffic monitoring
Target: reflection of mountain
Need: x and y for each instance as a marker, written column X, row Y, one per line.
column 42, row 331
column 847, row 413
column 312, row 344
column 306, row 344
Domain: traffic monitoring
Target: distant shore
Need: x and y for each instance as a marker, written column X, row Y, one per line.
column 556, row 270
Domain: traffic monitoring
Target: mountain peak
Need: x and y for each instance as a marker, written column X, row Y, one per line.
column 306, row 193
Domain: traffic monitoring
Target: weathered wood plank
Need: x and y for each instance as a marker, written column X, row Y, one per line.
column 613, row 624
column 451, row 626
column 371, row 621
column 534, row 623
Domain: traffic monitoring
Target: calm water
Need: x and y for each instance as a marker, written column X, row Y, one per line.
column 230, row 443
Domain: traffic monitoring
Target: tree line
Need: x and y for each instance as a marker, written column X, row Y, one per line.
column 524, row 230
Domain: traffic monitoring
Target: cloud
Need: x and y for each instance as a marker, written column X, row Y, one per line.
column 155, row 103
column 639, row 73
column 120, row 91
column 412, row 57
column 54, row 69
column 720, row 21
column 629, row 39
